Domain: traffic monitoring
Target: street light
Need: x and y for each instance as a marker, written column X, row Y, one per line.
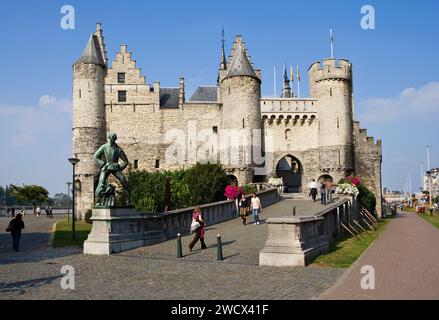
column 68, row 198
column 74, row 162
column 429, row 184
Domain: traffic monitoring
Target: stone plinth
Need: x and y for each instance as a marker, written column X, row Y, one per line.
column 118, row 229
column 293, row 241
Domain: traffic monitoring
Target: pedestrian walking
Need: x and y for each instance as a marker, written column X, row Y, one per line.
column 15, row 227
column 23, row 211
column 38, row 211
column 244, row 208
column 50, row 213
column 13, row 211
column 330, row 190
column 313, row 189
column 47, row 212
column 323, row 193
column 256, row 208
column 197, row 216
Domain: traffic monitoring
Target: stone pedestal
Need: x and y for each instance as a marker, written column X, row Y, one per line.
column 119, row 229
column 293, row 241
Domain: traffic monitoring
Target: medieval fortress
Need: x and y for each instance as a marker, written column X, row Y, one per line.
column 254, row 137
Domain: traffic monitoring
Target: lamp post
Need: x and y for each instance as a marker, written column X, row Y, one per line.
column 68, row 197
column 74, row 162
column 429, row 184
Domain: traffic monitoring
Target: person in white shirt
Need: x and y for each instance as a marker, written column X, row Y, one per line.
column 313, row 189
column 256, row 208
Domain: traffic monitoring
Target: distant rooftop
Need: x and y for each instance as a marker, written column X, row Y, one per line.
column 169, row 98
column 205, row 94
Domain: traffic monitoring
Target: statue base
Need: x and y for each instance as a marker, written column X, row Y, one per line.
column 119, row 229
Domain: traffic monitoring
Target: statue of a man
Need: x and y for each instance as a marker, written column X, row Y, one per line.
column 107, row 157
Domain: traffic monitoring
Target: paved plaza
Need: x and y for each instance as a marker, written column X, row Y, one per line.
column 154, row 272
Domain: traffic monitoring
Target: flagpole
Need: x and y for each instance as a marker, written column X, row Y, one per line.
column 283, row 85
column 274, row 79
column 298, row 82
column 332, row 42
column 292, row 80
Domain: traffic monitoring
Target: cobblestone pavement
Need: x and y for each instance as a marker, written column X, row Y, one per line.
column 35, row 235
column 405, row 258
column 154, row 272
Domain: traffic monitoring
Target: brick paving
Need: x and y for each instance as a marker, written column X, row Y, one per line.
column 154, row 272
column 406, row 262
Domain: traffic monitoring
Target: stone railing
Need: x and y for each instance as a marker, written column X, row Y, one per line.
column 296, row 241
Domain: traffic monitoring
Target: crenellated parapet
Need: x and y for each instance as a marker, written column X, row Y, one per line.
column 330, row 69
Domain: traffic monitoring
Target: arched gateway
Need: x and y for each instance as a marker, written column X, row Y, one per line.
column 290, row 169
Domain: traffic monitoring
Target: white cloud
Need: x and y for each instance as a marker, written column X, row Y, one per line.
column 420, row 102
column 22, row 126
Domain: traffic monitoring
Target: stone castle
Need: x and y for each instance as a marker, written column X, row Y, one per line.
column 296, row 138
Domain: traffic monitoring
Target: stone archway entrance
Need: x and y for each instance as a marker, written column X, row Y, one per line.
column 325, row 177
column 290, row 169
column 232, row 180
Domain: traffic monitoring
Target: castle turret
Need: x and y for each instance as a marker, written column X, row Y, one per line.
column 88, row 119
column 331, row 83
column 240, row 96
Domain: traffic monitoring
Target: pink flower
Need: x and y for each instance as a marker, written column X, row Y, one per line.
column 232, row 192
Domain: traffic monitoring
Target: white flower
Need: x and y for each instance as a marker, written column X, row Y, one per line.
column 275, row 182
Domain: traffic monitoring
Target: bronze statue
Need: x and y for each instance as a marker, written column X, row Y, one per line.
column 107, row 157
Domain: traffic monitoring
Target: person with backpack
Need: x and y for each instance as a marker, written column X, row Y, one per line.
column 15, row 227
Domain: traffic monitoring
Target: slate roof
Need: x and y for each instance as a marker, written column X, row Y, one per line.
column 205, row 94
column 240, row 66
column 169, row 98
column 92, row 53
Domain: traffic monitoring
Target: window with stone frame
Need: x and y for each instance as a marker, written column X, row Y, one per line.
column 122, row 96
column 121, row 77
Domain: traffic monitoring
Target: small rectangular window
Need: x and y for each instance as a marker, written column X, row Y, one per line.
column 157, row 163
column 122, row 96
column 121, row 77
column 215, row 129
column 136, row 164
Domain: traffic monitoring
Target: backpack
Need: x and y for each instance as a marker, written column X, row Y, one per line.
column 10, row 227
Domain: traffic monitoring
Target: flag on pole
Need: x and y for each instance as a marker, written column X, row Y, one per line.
column 291, row 73
column 298, row 74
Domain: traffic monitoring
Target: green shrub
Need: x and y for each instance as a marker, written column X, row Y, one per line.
column 366, row 198
column 87, row 216
column 249, row 189
column 202, row 183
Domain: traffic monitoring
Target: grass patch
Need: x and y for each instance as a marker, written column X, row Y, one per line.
column 434, row 219
column 343, row 253
column 63, row 233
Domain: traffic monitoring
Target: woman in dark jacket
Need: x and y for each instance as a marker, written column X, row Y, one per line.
column 15, row 227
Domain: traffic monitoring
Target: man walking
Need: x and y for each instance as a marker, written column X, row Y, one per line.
column 256, row 207
column 323, row 193
column 313, row 189
column 15, row 227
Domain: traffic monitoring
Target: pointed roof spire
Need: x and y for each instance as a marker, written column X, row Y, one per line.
column 92, row 53
column 286, row 75
column 240, row 65
column 223, row 63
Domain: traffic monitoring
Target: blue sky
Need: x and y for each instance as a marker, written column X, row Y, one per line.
column 396, row 67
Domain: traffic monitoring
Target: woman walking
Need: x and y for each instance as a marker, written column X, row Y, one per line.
column 243, row 208
column 14, row 228
column 197, row 216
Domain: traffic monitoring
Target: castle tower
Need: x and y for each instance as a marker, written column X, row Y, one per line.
column 240, row 89
column 88, row 119
column 331, row 83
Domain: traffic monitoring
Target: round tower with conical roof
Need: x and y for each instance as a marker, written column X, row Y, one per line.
column 240, row 88
column 88, row 118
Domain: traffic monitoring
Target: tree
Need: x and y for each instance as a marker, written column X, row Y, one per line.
column 32, row 194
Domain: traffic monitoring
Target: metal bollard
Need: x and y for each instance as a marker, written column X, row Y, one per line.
column 219, row 248
column 179, row 248
column 294, row 210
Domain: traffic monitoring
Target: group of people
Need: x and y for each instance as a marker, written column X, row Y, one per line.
column 10, row 212
column 245, row 207
column 326, row 189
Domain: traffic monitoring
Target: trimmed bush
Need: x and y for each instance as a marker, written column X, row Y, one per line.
column 202, row 183
column 367, row 198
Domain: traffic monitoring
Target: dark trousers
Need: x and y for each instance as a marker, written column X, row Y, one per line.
column 323, row 197
column 16, row 240
column 197, row 237
column 313, row 193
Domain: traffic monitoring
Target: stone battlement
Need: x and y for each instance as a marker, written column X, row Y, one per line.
column 330, row 69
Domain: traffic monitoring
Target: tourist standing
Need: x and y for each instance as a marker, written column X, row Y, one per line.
column 50, row 213
column 256, row 208
column 243, row 208
column 313, row 189
column 38, row 211
column 47, row 212
column 13, row 211
column 197, row 215
column 15, row 227
column 323, row 193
